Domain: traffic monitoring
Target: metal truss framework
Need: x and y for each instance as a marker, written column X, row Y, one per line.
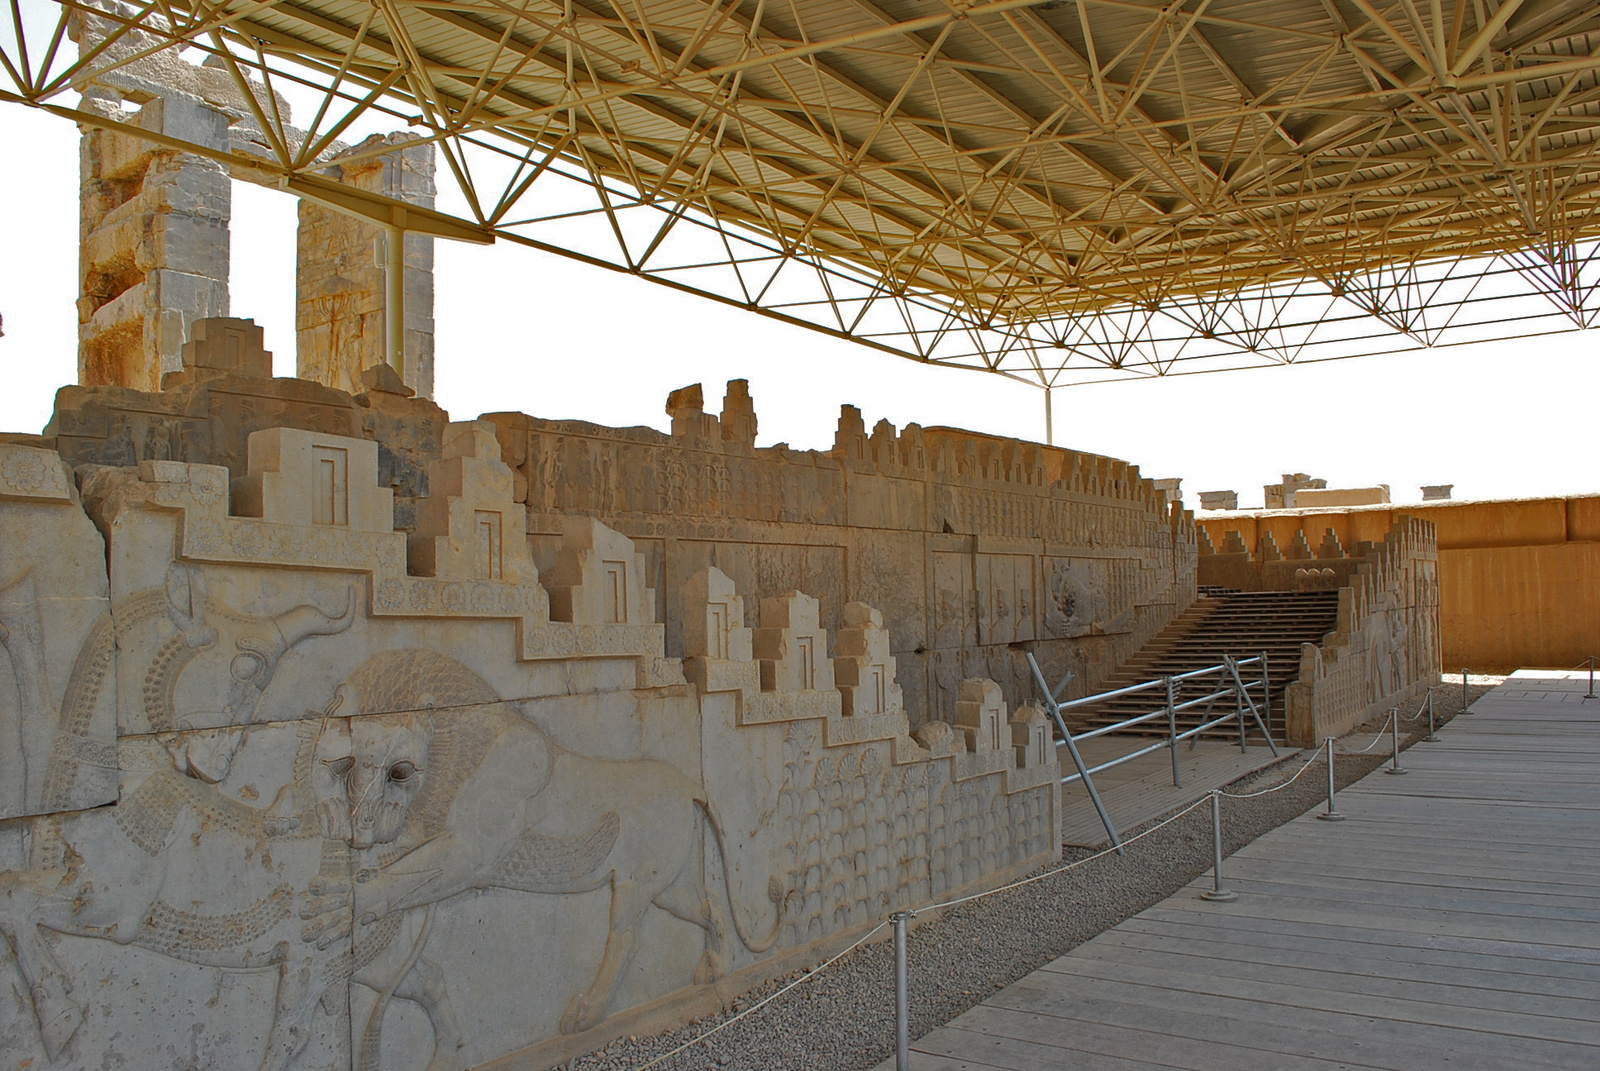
column 1059, row 191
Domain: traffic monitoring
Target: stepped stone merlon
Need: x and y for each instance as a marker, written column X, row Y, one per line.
column 850, row 440
column 1032, row 737
column 738, row 414
column 469, row 526
column 221, row 346
column 1330, row 547
column 718, row 647
column 791, row 646
column 1299, row 549
column 687, row 408
column 599, row 577
column 304, row 478
column 863, row 666
column 981, row 715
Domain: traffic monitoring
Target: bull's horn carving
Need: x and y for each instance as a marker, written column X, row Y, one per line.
column 305, row 621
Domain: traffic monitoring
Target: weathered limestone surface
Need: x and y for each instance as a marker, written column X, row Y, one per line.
column 1385, row 648
column 1516, row 577
column 339, row 284
column 154, row 226
column 376, row 816
column 154, row 232
column 966, row 544
column 223, row 394
column 1282, row 495
column 57, row 734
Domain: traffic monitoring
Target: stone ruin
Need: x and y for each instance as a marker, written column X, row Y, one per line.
column 1282, row 495
column 154, row 228
column 363, row 707
column 362, row 738
column 1384, row 649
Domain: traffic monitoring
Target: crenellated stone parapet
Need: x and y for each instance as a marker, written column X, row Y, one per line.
column 966, row 544
column 244, row 686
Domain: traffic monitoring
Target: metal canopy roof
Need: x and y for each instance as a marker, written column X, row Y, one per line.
column 1060, row 191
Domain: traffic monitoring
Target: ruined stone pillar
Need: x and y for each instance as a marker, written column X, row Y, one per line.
column 153, row 239
column 339, row 288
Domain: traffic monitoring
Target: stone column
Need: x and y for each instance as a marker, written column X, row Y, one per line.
column 153, row 239
column 339, row 288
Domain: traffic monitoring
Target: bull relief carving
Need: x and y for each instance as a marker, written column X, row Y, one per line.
column 354, row 801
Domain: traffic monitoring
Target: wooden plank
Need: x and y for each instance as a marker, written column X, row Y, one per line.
column 1452, row 922
column 1367, row 977
column 1078, row 1044
column 1185, row 986
column 1311, row 1031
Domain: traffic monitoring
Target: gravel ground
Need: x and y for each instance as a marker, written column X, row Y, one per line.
column 843, row 1018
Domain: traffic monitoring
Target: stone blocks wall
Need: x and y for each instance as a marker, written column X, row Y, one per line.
column 1515, row 577
column 154, row 241
column 374, row 817
column 970, row 547
column 1385, row 647
column 339, row 288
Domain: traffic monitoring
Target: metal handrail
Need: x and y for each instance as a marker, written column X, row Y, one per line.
column 1230, row 683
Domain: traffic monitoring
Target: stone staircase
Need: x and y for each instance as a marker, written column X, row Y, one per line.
column 1239, row 624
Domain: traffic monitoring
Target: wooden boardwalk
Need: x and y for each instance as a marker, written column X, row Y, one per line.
column 1453, row 921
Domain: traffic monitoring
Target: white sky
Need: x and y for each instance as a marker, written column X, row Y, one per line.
column 519, row 329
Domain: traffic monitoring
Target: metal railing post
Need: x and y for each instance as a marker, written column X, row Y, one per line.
column 1238, row 683
column 1591, row 678
column 902, row 993
column 1238, row 701
column 1394, row 737
column 1432, row 737
column 1172, row 733
column 1072, row 749
column 1217, row 891
column 1330, row 815
column 1266, row 694
column 1465, row 699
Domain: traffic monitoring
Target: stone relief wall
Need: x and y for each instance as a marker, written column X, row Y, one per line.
column 400, row 799
column 969, row 545
column 1385, row 648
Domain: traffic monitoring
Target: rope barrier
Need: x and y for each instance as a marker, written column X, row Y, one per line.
column 1375, row 739
column 812, row 973
column 1275, row 788
column 1066, row 867
column 1021, row 882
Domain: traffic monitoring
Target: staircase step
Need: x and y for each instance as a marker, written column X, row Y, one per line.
column 1238, row 624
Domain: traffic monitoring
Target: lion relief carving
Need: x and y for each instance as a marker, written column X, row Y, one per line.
column 446, row 788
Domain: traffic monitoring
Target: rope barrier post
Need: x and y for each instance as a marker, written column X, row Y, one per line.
column 902, row 993
column 1217, row 892
column 1172, row 732
column 1394, row 736
column 1432, row 737
column 1330, row 815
